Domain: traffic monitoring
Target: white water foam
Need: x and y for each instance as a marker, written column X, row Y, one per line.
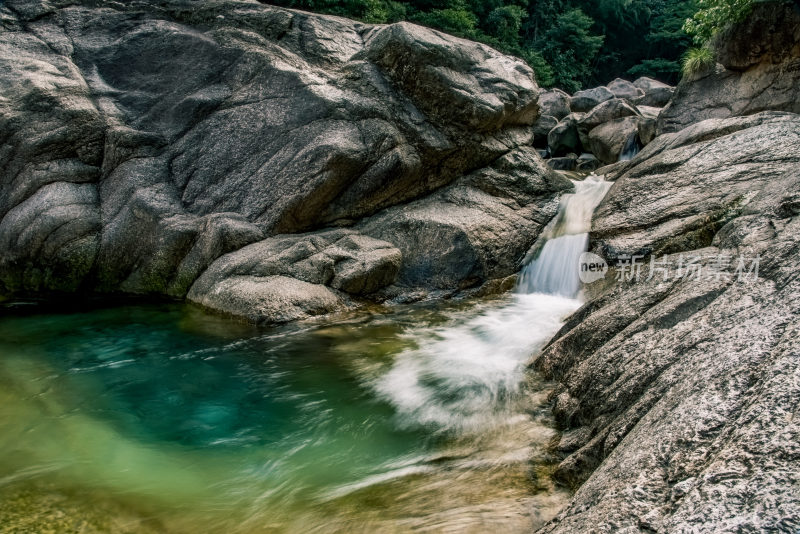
column 464, row 376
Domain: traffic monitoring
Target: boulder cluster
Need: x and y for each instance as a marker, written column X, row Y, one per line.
column 598, row 126
column 265, row 163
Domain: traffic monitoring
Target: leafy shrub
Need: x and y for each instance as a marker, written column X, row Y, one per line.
column 714, row 15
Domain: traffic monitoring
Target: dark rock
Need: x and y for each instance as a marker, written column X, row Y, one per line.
column 587, row 162
column 587, row 99
column 565, row 163
column 564, row 138
column 542, row 128
column 758, row 72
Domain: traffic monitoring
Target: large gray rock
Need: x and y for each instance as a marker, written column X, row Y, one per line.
column 609, row 110
column 625, row 89
column 757, row 71
column 677, row 394
column 341, row 259
column 140, row 142
column 607, row 140
column 648, row 84
column 479, row 228
column 585, row 100
column 554, row 102
column 756, row 150
column 656, row 94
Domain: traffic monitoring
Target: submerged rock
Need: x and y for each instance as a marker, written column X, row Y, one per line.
column 122, row 169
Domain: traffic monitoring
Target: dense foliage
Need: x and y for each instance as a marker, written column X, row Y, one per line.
column 713, row 15
column 569, row 43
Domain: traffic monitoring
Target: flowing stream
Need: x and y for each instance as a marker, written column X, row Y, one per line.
column 158, row 418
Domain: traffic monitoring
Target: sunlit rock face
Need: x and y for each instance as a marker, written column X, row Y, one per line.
column 142, row 142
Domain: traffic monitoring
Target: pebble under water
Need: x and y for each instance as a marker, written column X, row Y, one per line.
column 159, row 418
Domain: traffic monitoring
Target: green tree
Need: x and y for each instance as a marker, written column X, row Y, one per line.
column 504, row 23
column 456, row 18
column 666, row 41
column 541, row 68
column 714, row 15
column 570, row 48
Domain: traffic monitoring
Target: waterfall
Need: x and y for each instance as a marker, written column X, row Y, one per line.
column 551, row 266
column 631, row 148
column 466, row 375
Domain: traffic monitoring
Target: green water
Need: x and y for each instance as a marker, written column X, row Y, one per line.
column 159, row 418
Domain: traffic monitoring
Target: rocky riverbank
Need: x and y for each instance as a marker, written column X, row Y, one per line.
column 383, row 162
column 277, row 165
column 680, row 384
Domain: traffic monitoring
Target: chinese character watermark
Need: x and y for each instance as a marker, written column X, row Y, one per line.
column 635, row 268
column 688, row 267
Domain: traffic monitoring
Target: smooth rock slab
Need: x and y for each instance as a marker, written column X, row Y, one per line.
column 268, row 299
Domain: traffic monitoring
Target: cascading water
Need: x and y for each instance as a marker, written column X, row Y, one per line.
column 467, row 376
column 165, row 420
column 631, row 148
column 551, row 266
